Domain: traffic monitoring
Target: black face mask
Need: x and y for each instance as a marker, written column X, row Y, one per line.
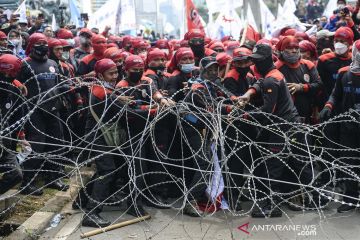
column 135, row 77
column 158, row 68
column 264, row 66
column 198, row 50
column 41, row 50
column 120, row 70
column 243, row 71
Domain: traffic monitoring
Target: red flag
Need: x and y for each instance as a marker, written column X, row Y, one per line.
column 193, row 17
column 250, row 34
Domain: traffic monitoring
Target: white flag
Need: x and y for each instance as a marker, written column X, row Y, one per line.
column 251, row 18
column 217, row 5
column 54, row 25
column 330, row 7
column 289, row 6
column 267, row 19
column 22, row 11
column 228, row 23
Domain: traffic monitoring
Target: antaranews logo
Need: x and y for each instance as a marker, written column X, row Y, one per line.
column 300, row 230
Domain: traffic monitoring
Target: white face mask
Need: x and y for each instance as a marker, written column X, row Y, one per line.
column 71, row 42
column 340, row 48
column 15, row 41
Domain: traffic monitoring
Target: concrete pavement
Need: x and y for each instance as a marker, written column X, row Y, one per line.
column 173, row 225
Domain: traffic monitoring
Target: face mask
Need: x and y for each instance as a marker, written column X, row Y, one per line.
column 158, row 68
column 340, row 48
column 213, row 77
column 135, row 77
column 198, row 50
column 264, row 66
column 15, row 42
column 243, row 71
column 99, row 49
column 71, row 42
column 65, row 56
column 85, row 42
column 187, row 68
column 291, row 58
column 41, row 50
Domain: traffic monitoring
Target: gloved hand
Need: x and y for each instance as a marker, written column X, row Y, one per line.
column 325, row 114
column 295, row 87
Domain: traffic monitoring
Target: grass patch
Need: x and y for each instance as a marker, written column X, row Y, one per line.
column 28, row 205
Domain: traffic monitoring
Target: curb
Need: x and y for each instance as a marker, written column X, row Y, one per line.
column 34, row 226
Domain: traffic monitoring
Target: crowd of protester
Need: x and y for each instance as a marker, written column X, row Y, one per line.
column 56, row 87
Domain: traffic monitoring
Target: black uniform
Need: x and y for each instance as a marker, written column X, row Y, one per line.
column 304, row 73
column 11, row 111
column 44, row 126
column 346, row 98
column 278, row 102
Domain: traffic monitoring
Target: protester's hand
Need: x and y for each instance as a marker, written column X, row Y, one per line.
column 167, row 102
column 349, row 21
column 325, row 114
column 107, row 28
column 126, row 99
column 244, row 99
column 326, row 50
column 164, row 92
column 24, row 90
column 39, row 22
column 295, row 87
column 24, row 143
column 90, row 74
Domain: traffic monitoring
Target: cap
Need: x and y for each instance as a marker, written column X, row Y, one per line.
column 241, row 54
column 223, row 59
column 344, row 33
column 206, row 62
column 324, row 34
column 261, row 51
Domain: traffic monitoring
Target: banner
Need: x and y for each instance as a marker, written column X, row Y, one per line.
column 193, row 17
column 330, row 7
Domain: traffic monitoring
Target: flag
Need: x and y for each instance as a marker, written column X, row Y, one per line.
column 330, row 7
column 216, row 187
column 289, row 6
column 125, row 16
column 267, row 19
column 228, row 23
column 218, row 5
column 54, row 25
column 120, row 14
column 280, row 11
column 251, row 34
column 250, row 18
column 193, row 17
column 22, row 11
column 75, row 14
